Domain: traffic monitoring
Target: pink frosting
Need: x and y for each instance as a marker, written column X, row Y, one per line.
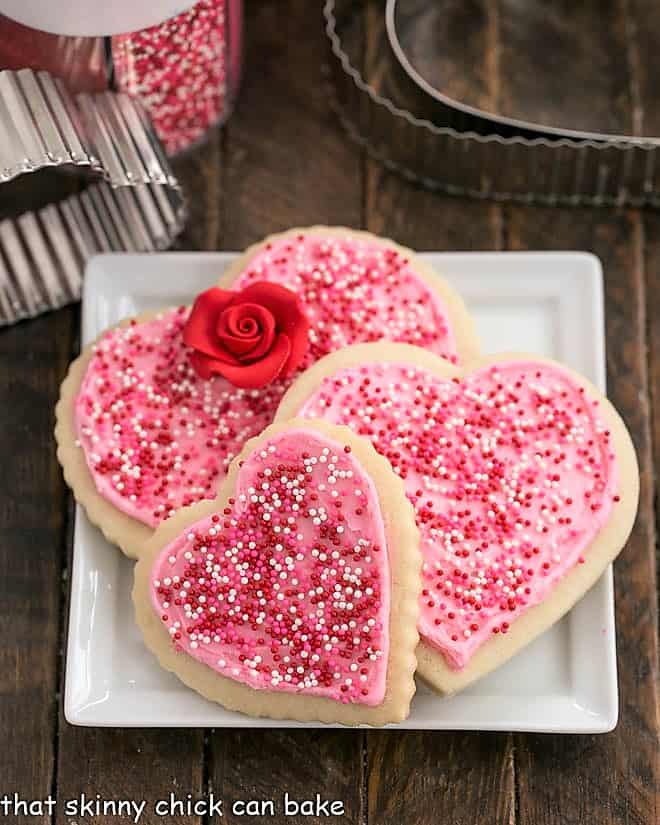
column 156, row 436
column 288, row 587
column 511, row 473
column 354, row 289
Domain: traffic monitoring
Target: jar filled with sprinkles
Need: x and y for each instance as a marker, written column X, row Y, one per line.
column 182, row 59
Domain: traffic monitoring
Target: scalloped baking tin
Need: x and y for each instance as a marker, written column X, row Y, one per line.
column 445, row 145
column 137, row 204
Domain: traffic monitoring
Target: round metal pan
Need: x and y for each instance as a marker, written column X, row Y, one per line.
column 419, row 131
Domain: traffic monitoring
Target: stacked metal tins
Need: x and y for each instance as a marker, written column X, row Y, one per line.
column 398, row 109
column 105, row 91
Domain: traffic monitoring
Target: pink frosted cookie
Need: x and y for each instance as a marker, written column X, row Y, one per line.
column 141, row 433
column 294, row 593
column 523, row 478
column 358, row 288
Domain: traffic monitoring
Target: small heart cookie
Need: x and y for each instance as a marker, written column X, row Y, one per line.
column 141, row 434
column 293, row 594
column 523, row 477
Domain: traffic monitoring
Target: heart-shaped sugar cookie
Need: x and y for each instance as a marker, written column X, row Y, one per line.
column 523, row 478
column 141, row 434
column 294, row 594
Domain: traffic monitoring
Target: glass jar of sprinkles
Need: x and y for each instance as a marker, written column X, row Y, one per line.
column 181, row 58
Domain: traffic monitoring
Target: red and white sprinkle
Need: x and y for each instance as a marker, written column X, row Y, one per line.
column 179, row 71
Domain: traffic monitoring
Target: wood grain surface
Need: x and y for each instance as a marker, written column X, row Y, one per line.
column 283, row 160
column 33, row 522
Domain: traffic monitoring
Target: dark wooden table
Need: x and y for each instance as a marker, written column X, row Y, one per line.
column 283, row 161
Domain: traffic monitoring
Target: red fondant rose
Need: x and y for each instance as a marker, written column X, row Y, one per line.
column 250, row 337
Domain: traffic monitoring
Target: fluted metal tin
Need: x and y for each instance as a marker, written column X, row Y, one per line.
column 455, row 150
column 137, row 204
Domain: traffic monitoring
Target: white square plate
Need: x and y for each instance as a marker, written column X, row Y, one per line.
column 546, row 303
